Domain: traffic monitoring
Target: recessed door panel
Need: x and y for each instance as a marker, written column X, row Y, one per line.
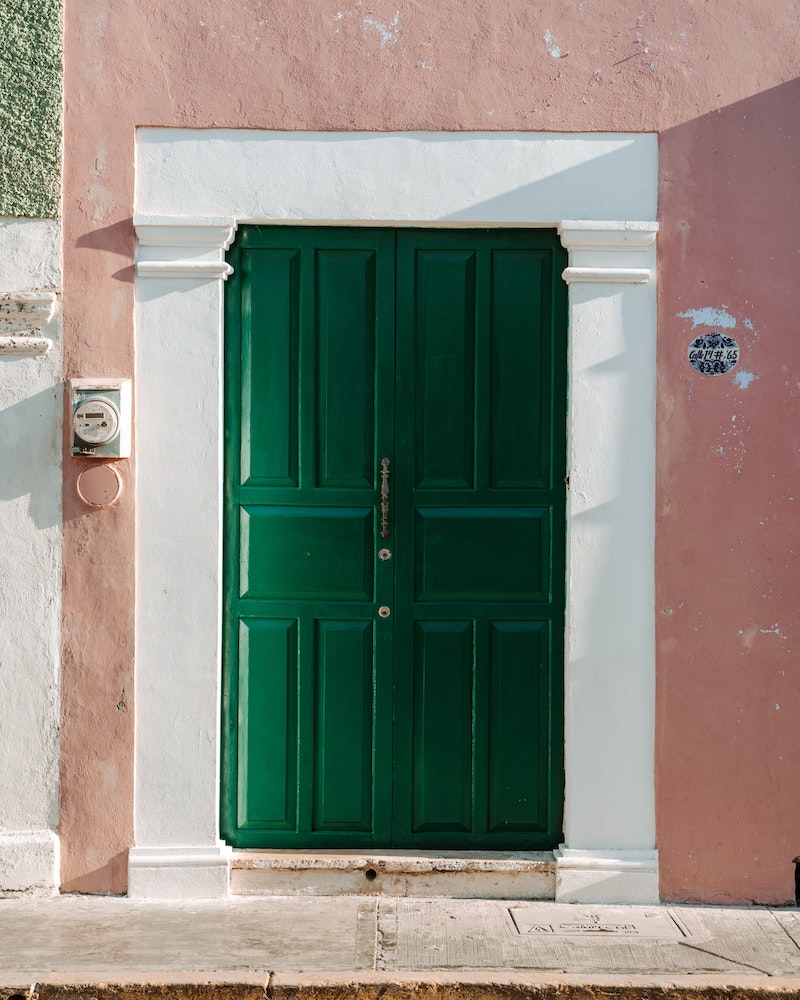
column 346, row 368
column 306, row 553
column 442, row 726
column 445, row 366
column 522, row 373
column 518, row 744
column 344, row 693
column 267, row 724
column 482, row 553
column 269, row 384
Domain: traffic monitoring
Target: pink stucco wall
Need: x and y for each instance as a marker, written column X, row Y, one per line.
column 715, row 80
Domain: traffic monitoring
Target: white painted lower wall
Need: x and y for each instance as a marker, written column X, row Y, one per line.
column 192, row 189
column 30, row 553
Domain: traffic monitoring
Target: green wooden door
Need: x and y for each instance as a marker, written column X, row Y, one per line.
column 438, row 726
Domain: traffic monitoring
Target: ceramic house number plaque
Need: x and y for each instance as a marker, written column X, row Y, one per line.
column 713, row 353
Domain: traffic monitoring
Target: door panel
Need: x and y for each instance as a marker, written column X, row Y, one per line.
column 267, row 724
column 307, row 553
column 482, row 553
column 445, row 368
column 269, row 385
column 344, row 692
column 345, row 368
column 438, row 726
column 442, row 726
column 518, row 746
column 520, row 405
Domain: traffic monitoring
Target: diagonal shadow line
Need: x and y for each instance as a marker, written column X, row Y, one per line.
column 726, row 958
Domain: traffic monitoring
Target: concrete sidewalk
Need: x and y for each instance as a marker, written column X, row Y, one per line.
column 374, row 947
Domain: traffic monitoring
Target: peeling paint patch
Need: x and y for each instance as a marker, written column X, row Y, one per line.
column 709, row 317
column 387, row 30
column 743, row 379
column 550, row 42
column 748, row 636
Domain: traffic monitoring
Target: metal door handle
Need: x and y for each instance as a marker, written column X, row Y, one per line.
column 384, row 498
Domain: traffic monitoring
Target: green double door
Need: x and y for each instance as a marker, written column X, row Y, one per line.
column 394, row 526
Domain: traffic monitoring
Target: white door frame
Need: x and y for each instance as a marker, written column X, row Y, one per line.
column 192, row 190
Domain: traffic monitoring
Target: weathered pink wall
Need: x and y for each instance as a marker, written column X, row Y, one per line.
column 728, row 505
column 727, row 802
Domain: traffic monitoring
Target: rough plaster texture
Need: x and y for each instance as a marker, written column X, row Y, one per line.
column 30, row 568
column 728, row 805
column 30, row 107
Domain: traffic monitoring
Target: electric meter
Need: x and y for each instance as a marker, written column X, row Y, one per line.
column 101, row 417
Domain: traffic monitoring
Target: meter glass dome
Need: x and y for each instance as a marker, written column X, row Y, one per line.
column 96, row 421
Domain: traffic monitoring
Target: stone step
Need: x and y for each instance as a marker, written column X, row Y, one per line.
column 455, row 874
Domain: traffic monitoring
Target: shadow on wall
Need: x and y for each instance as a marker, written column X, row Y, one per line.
column 733, row 175
column 728, row 727
column 118, row 238
column 30, row 431
column 621, row 170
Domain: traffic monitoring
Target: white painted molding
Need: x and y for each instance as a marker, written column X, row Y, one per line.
column 595, row 248
column 23, row 315
column 614, row 236
column 195, row 269
column 598, row 876
column 190, row 187
column 607, row 275
column 183, row 248
column 179, row 872
column 29, row 861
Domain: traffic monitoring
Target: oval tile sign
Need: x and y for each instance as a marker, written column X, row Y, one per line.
column 713, row 353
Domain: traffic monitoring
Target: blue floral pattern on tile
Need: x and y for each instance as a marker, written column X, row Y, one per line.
column 713, row 353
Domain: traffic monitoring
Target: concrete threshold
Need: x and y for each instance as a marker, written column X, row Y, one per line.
column 465, row 874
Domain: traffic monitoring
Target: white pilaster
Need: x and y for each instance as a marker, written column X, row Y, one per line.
column 609, row 825
column 180, row 269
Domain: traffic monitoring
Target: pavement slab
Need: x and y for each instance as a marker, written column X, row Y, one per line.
column 435, row 934
column 101, row 938
column 390, row 948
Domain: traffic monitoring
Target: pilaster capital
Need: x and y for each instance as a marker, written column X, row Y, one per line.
column 179, row 247
column 608, row 252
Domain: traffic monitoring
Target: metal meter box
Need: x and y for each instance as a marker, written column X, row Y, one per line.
column 101, row 417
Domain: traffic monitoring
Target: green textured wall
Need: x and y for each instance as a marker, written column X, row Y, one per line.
column 30, row 107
